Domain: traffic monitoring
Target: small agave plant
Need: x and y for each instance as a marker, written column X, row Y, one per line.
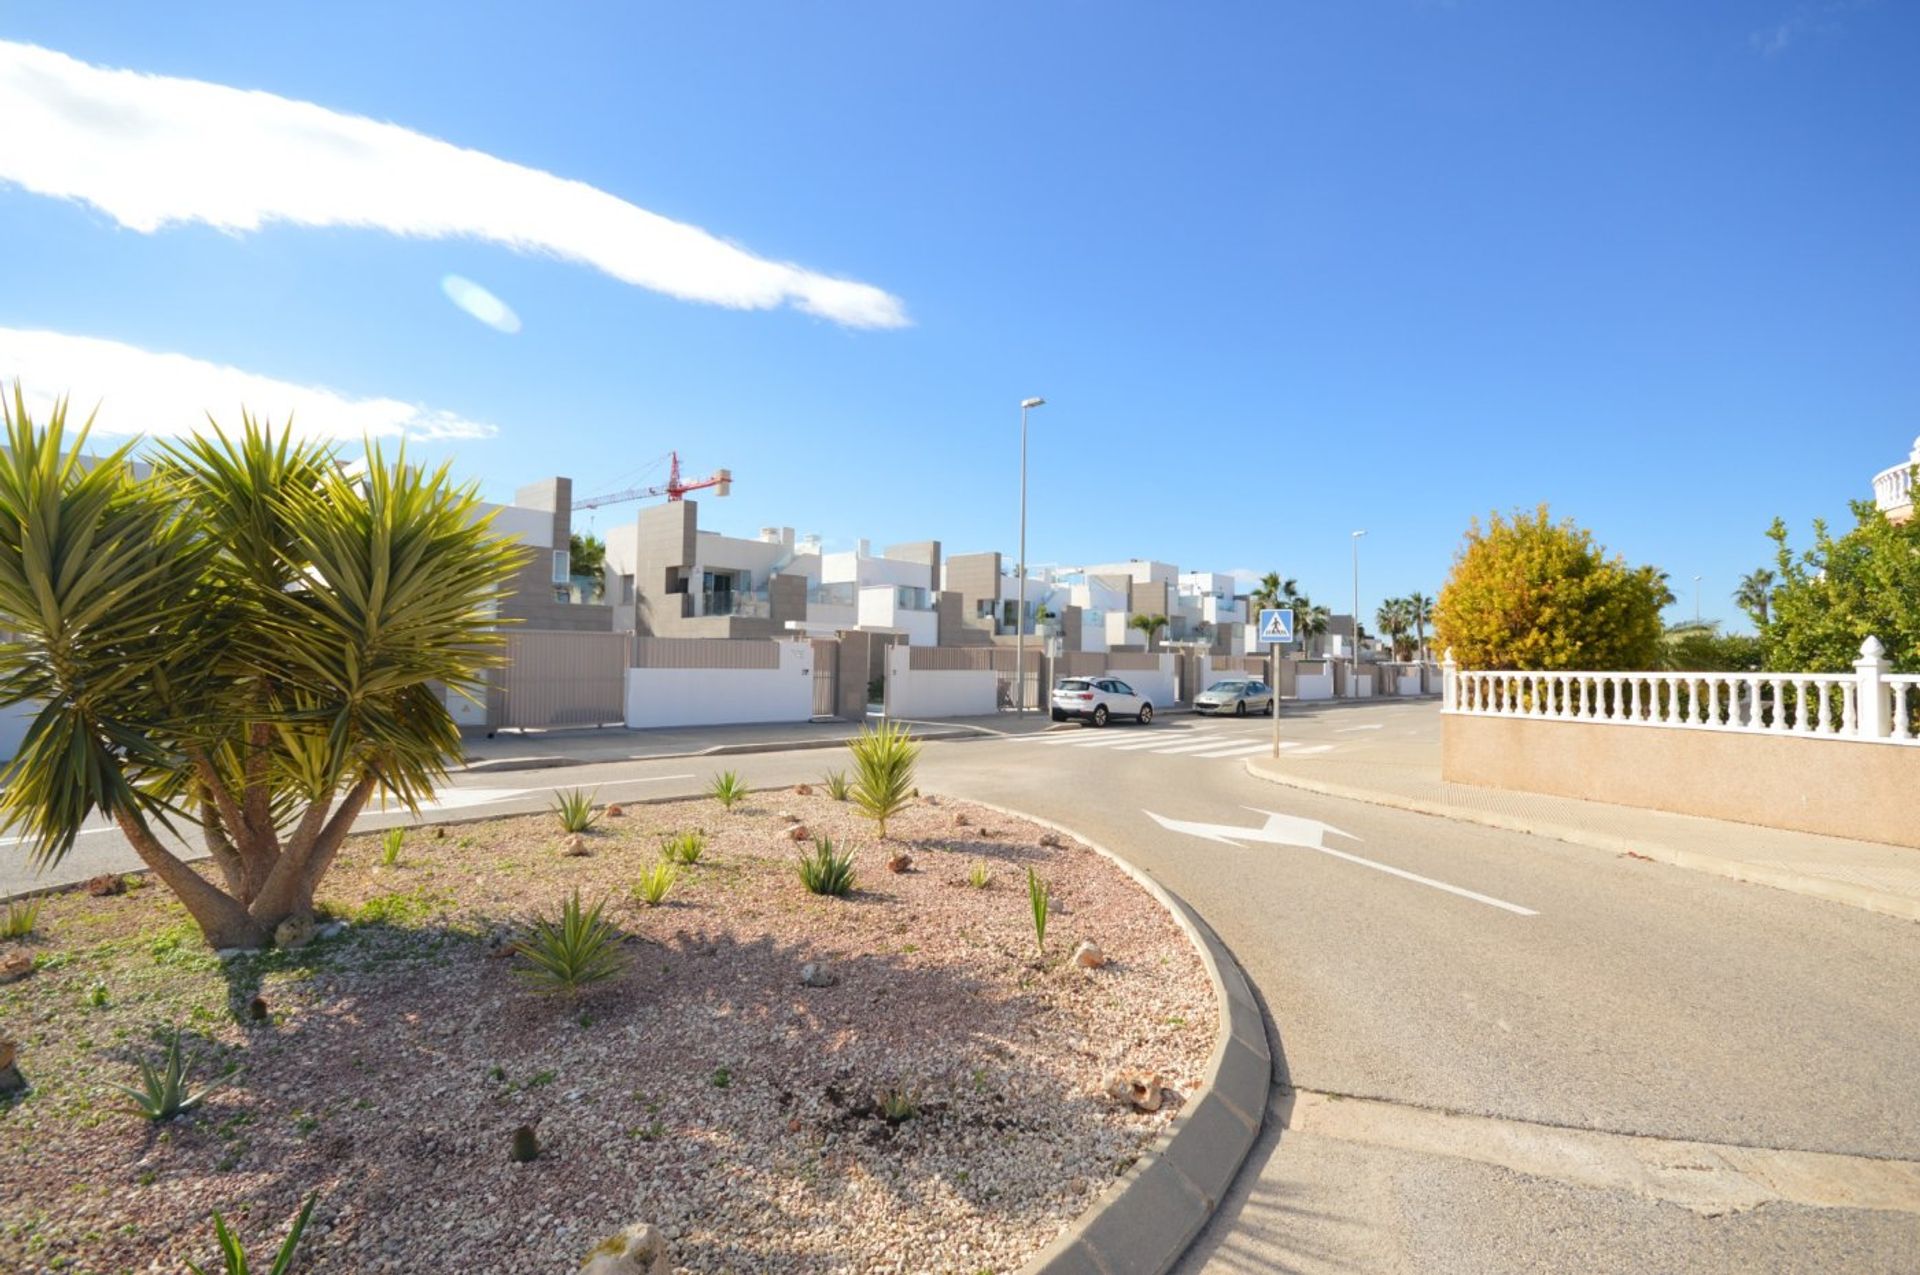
column 166, row 1091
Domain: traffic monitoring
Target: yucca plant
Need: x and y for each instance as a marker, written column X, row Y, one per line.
column 22, row 916
column 836, row 784
column 654, row 882
column 726, row 789
column 1039, row 897
column 233, row 1258
column 166, row 1091
column 250, row 637
column 566, row 955
column 575, row 808
column 827, row 871
column 978, row 876
column 390, row 843
column 883, row 762
column 684, row 847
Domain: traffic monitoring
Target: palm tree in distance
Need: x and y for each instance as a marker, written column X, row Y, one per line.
column 1422, row 607
column 1755, row 595
column 1149, row 625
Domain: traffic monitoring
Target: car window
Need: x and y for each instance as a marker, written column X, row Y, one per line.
column 1074, row 685
column 1120, row 688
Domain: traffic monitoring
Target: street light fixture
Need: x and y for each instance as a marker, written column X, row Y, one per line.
column 1356, row 596
column 1696, row 601
column 1020, row 613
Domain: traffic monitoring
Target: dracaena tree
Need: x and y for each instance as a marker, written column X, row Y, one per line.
column 237, row 647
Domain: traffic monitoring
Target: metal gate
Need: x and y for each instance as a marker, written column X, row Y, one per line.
column 826, row 679
column 557, row 678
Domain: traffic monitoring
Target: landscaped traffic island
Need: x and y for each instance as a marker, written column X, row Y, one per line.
column 899, row 1078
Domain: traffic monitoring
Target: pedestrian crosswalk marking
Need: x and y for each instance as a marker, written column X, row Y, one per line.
column 1210, row 739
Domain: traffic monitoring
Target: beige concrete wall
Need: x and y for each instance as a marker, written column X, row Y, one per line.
column 1839, row 787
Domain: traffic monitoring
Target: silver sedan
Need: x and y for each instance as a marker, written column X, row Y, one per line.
column 1239, row 697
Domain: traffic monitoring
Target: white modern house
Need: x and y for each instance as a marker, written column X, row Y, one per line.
column 669, row 577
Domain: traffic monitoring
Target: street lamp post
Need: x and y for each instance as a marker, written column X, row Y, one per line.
column 1355, row 656
column 1696, row 601
column 1020, row 613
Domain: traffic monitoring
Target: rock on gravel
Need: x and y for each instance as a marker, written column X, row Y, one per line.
column 639, row 1250
column 1088, row 956
column 814, row 974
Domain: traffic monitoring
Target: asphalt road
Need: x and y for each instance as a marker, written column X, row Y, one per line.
column 1461, row 969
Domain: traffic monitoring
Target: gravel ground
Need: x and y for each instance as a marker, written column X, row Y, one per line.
column 704, row 1089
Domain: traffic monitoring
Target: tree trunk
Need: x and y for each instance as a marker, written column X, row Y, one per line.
column 289, row 890
column 220, row 916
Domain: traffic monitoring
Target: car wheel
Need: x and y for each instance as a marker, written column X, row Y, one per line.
column 1240, row 709
column 1100, row 715
column 1146, row 714
column 1059, row 716
column 1269, row 709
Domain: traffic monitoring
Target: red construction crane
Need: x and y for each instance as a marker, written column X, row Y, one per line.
column 674, row 489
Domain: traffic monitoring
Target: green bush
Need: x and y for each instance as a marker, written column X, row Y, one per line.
column 826, row 871
column 654, row 883
column 22, row 916
column 684, row 847
column 1530, row 593
column 883, row 762
column 575, row 808
column 1039, row 897
column 233, row 1258
column 727, row 789
column 166, row 1091
column 578, row 949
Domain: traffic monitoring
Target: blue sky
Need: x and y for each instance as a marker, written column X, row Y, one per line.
column 1282, row 270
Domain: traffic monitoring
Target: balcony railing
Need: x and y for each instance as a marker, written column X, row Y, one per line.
column 744, row 603
column 840, row 594
column 1893, row 488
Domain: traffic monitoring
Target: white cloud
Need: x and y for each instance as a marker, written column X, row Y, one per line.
column 480, row 303
column 144, row 392
column 152, row 150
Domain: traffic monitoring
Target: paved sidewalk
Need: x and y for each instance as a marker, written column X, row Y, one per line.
column 1400, row 767
column 542, row 749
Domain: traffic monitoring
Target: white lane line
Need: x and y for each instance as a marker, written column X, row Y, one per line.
column 84, row 832
column 1317, row 748
column 1344, row 729
column 1310, row 834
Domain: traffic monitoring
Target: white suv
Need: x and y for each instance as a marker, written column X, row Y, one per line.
column 1098, row 700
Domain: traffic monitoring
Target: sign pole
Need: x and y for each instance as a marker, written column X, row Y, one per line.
column 1273, row 690
column 1274, row 631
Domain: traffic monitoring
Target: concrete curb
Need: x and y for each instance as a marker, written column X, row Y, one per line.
column 556, row 761
column 1172, row 1190
column 1865, row 897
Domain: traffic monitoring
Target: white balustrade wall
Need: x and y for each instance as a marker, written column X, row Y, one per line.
column 1870, row 704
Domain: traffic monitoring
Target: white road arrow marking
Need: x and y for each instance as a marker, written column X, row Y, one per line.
column 1310, row 834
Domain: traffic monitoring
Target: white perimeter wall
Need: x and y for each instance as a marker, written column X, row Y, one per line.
column 1315, row 685
column 1157, row 685
column 723, row 696
column 915, row 692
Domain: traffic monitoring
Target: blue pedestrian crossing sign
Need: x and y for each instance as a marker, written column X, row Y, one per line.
column 1276, row 624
